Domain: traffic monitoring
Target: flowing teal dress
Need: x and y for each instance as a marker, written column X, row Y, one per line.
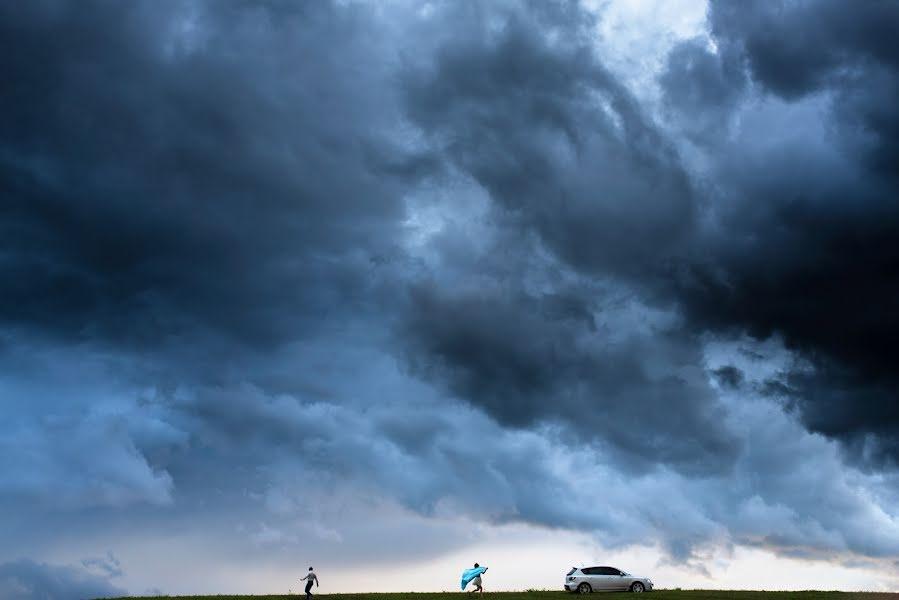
column 469, row 574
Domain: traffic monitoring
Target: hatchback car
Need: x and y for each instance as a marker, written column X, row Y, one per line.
column 604, row 579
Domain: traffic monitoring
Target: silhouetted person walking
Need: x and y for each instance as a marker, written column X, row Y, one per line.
column 310, row 577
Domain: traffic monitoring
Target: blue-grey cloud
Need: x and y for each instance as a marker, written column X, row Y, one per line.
column 803, row 197
column 268, row 261
column 30, row 580
column 159, row 186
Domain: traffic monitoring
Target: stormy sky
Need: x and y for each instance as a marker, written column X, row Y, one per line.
column 388, row 288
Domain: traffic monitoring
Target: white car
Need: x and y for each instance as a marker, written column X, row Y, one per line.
column 604, row 579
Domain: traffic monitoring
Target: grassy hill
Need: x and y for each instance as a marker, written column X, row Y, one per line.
column 553, row 595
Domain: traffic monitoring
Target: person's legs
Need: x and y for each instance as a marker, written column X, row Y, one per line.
column 309, row 590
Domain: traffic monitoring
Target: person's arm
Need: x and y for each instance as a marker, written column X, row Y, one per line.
column 316, row 581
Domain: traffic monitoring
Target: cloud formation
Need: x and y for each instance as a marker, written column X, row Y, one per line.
column 274, row 263
column 29, row 580
column 805, row 205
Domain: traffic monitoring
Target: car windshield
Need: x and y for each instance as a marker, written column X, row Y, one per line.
column 573, row 569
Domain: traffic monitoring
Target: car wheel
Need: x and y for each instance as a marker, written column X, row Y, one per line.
column 584, row 588
column 637, row 588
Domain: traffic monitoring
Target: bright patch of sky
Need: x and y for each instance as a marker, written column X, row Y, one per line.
column 635, row 36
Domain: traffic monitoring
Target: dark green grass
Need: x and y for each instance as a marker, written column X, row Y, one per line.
column 660, row 594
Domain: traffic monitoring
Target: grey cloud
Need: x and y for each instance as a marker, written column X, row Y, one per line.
column 850, row 406
column 72, row 463
column 206, row 213
column 160, row 186
column 784, row 236
column 701, row 88
column 529, row 112
column 564, row 151
column 29, row 580
column 801, row 200
column 510, row 353
column 258, row 468
column 68, row 443
column 108, row 565
column 795, row 48
column 811, row 279
column 729, row 376
column 421, row 456
column 441, row 460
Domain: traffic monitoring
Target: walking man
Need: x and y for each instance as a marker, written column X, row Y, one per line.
column 310, row 577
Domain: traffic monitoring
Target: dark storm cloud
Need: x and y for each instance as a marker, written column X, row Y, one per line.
column 212, row 259
column 792, row 240
column 526, row 362
column 701, row 88
column 166, row 192
column 794, row 49
column 159, row 183
column 804, row 241
column 528, row 110
column 530, row 113
column 860, row 410
column 729, row 376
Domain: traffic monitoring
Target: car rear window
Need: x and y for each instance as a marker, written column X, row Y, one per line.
column 573, row 569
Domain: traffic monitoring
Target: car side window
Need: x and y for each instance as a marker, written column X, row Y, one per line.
column 609, row 571
column 590, row 571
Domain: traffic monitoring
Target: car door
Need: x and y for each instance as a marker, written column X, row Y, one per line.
column 592, row 576
column 614, row 581
column 596, row 579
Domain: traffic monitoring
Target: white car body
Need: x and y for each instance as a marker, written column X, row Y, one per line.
column 604, row 579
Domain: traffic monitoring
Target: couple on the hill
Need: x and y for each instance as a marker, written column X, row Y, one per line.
column 472, row 576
